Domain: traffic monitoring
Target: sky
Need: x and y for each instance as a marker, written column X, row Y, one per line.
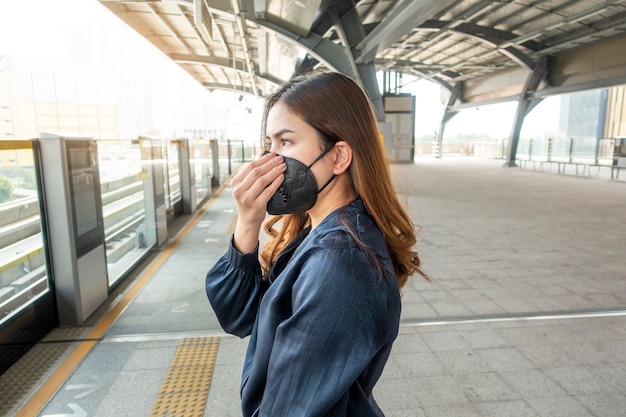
column 74, row 31
column 38, row 26
column 44, row 28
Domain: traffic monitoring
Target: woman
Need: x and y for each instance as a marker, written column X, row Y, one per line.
column 322, row 304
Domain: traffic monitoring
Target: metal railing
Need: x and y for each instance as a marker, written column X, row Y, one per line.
column 572, row 150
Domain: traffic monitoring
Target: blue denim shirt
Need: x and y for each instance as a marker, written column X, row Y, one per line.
column 321, row 326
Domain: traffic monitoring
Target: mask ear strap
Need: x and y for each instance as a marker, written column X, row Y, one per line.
column 317, row 159
column 323, row 154
column 327, row 182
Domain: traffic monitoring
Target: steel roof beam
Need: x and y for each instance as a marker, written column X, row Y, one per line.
column 332, row 55
column 350, row 31
column 495, row 36
column 243, row 35
column 226, row 63
column 401, row 21
column 229, row 87
column 168, row 27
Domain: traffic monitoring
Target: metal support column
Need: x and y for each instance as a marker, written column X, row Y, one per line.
column 215, row 158
column 154, row 190
column 525, row 104
column 187, row 177
column 74, row 220
column 448, row 114
column 350, row 30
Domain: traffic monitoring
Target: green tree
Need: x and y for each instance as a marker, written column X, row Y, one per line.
column 6, row 189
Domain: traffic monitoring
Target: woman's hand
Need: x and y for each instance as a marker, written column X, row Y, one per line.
column 253, row 187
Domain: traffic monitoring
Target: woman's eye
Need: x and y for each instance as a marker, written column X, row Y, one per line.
column 275, row 144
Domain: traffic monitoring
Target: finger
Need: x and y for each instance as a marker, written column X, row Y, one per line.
column 267, row 193
column 267, row 179
column 260, row 173
column 252, row 206
column 248, row 190
column 250, row 195
column 261, row 160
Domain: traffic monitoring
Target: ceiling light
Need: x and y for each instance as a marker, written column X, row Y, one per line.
column 300, row 4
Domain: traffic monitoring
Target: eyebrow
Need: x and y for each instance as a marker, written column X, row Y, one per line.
column 279, row 133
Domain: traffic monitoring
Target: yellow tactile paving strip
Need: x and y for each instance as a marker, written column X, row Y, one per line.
column 32, row 370
column 186, row 385
column 37, row 365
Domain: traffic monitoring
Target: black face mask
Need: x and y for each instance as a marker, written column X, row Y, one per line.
column 298, row 192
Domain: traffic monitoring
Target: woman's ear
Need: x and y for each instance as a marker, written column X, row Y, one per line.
column 343, row 157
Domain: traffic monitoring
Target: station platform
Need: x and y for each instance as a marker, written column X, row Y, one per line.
column 525, row 317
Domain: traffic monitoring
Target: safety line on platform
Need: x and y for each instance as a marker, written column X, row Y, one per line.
column 532, row 316
column 164, row 336
column 441, row 321
column 65, row 369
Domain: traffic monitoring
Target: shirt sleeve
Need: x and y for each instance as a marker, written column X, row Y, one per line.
column 341, row 320
column 234, row 286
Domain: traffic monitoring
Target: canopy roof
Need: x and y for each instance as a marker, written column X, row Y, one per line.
column 486, row 46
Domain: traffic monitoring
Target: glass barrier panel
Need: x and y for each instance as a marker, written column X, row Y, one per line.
column 23, row 272
column 250, row 151
column 606, row 148
column 173, row 174
column 232, row 153
column 560, row 149
column 222, row 160
column 523, row 148
column 584, row 148
column 123, row 204
column 166, row 181
column 202, row 165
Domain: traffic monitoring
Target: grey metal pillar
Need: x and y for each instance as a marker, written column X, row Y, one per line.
column 525, row 104
column 348, row 26
column 370, row 83
column 74, row 224
column 154, row 190
column 187, row 177
column 448, row 114
column 215, row 157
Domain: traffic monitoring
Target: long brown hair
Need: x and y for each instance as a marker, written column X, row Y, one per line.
column 338, row 108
